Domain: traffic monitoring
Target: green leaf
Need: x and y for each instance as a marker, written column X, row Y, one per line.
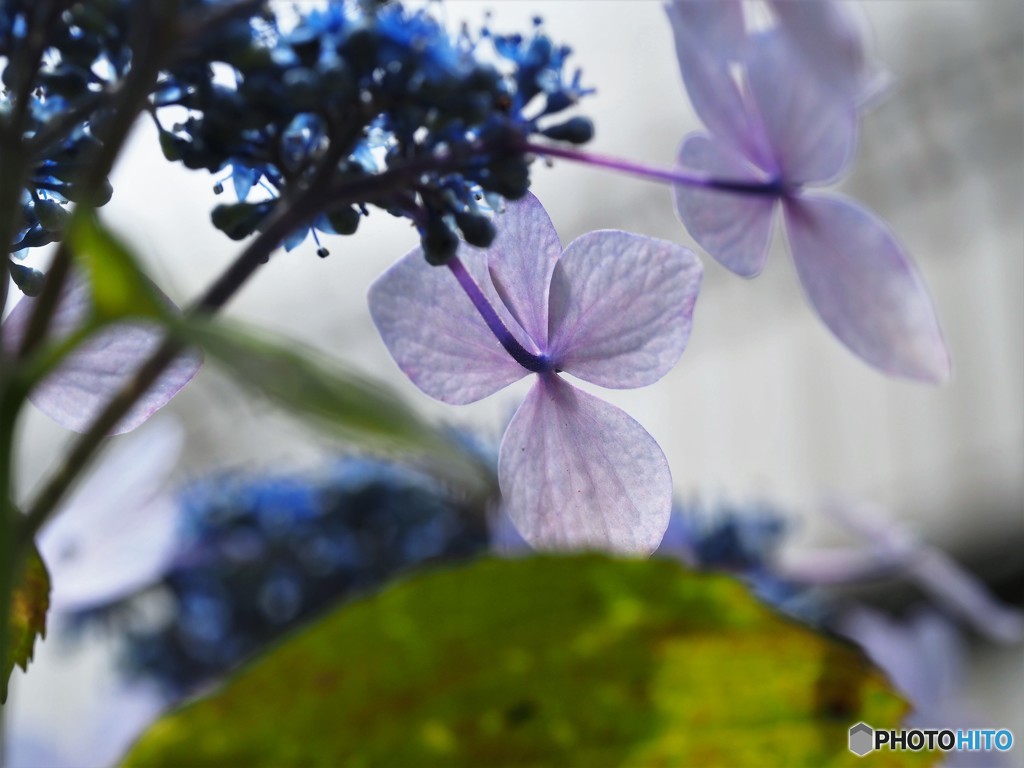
column 119, row 288
column 29, row 604
column 305, row 382
column 540, row 662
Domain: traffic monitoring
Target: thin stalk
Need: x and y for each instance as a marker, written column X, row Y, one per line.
column 529, row 361
column 684, row 176
column 9, row 559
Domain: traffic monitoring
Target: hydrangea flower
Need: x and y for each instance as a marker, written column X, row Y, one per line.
column 828, row 35
column 614, row 309
column 79, row 388
column 781, row 124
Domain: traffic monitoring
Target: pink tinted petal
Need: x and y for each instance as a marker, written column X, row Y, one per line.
column 830, row 38
column 75, row 393
column 520, row 261
column 578, row 473
column 713, row 92
column 622, row 307
column 735, row 229
column 436, row 335
column 864, row 286
column 811, row 128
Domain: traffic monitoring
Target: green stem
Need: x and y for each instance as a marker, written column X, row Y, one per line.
column 9, row 558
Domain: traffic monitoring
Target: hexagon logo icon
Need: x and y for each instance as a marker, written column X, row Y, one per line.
column 862, row 739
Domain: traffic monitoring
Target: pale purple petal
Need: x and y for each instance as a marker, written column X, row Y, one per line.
column 831, row 40
column 864, row 287
column 520, row 261
column 713, row 92
column 436, row 335
column 735, row 229
column 718, row 25
column 622, row 307
column 117, row 533
column 578, row 473
column 81, row 386
column 812, row 129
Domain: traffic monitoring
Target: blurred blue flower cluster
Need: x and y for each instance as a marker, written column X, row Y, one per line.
column 53, row 93
column 257, row 555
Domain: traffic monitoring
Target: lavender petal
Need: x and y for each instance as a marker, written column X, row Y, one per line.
column 578, row 473
column 622, row 308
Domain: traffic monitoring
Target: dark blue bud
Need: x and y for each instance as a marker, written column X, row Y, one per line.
column 240, row 219
column 29, row 281
column 438, row 241
column 51, row 215
column 476, row 228
column 344, row 221
column 578, row 130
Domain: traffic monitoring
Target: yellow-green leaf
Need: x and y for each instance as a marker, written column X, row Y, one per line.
column 29, row 604
column 575, row 661
column 119, row 288
column 304, row 382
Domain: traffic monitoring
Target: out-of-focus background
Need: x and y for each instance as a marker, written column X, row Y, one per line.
column 765, row 403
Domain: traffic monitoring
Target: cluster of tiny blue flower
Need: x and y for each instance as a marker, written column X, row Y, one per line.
column 349, row 92
column 325, row 100
column 52, row 94
column 258, row 555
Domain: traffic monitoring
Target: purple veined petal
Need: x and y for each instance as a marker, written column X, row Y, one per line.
column 864, row 286
column 622, row 307
column 812, row 129
column 117, row 533
column 520, row 261
column 81, row 386
column 578, row 473
column 714, row 93
column 830, row 37
column 735, row 229
column 436, row 335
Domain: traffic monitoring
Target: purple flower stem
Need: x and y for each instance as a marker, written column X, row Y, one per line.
column 687, row 177
column 529, row 361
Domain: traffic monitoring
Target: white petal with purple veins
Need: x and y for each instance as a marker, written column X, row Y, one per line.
column 622, row 307
column 736, row 229
column 436, row 335
column 864, row 286
column 578, row 473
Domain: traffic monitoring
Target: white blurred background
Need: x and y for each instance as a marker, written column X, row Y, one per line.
column 765, row 403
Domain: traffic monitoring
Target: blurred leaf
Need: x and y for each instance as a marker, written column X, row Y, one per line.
column 543, row 661
column 119, row 288
column 304, row 382
column 29, row 603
